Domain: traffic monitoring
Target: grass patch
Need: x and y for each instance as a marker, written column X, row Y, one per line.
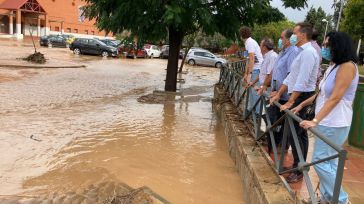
column 361, row 69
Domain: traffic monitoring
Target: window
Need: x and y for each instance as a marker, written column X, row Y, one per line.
column 92, row 42
column 92, row 32
column 209, row 55
column 199, row 54
column 75, row 30
column 56, row 28
column 68, row 30
column 86, row 32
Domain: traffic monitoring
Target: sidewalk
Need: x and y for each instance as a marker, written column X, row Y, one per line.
column 353, row 181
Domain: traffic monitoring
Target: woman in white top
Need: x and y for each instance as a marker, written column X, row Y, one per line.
column 333, row 112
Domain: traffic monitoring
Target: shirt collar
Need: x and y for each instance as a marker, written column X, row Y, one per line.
column 306, row 45
column 268, row 53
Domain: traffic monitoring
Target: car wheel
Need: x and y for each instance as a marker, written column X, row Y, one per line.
column 191, row 62
column 104, row 54
column 77, row 51
column 49, row 44
column 218, row 65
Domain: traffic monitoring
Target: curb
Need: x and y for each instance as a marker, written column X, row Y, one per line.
column 41, row 67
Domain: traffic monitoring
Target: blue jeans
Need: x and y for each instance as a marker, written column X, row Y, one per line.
column 253, row 96
column 327, row 170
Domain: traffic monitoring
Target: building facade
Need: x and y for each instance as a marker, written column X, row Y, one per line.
column 43, row 17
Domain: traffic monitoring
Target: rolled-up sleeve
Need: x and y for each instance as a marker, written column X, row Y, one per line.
column 305, row 70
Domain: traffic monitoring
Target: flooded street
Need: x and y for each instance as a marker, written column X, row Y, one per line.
column 62, row 130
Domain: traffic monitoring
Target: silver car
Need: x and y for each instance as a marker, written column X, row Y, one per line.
column 204, row 57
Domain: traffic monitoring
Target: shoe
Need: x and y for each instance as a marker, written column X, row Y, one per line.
column 294, row 177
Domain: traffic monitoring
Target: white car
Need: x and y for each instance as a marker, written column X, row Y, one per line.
column 204, row 57
column 152, row 51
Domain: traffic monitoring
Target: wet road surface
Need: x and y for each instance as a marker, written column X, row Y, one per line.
column 62, row 130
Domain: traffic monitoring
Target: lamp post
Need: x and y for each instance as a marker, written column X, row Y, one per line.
column 340, row 13
column 327, row 23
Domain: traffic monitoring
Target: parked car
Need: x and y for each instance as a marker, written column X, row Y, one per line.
column 132, row 51
column 53, row 41
column 93, row 47
column 152, row 50
column 165, row 52
column 204, row 57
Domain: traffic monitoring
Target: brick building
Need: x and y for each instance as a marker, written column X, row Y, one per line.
column 43, row 17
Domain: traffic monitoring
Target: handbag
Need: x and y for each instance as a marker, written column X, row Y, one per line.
column 310, row 109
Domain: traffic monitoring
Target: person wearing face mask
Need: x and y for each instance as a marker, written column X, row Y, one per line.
column 275, row 79
column 300, row 85
column 334, row 111
column 255, row 59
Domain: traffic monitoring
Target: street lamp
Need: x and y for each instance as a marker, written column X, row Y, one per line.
column 327, row 23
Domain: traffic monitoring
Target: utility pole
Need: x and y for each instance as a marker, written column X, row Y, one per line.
column 340, row 13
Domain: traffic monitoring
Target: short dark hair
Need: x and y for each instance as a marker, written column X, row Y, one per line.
column 245, row 32
column 315, row 34
column 342, row 48
column 306, row 28
column 268, row 43
column 288, row 33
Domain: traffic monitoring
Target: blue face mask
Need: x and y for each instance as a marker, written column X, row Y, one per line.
column 293, row 40
column 280, row 44
column 326, row 53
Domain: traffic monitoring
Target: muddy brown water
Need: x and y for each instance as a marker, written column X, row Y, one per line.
column 63, row 130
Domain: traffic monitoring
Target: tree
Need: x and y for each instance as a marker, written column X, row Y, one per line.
column 353, row 23
column 315, row 18
column 336, row 5
column 154, row 20
column 272, row 30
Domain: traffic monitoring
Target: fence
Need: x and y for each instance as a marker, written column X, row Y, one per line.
column 232, row 82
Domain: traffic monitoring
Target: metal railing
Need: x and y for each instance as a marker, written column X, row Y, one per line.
column 232, row 81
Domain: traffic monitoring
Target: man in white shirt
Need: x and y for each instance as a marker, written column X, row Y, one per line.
column 270, row 57
column 255, row 59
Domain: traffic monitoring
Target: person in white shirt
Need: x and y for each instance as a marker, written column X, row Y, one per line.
column 270, row 57
column 255, row 59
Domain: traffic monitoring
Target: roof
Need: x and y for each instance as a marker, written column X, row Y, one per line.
column 12, row 4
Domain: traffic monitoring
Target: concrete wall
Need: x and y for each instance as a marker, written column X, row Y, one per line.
column 261, row 183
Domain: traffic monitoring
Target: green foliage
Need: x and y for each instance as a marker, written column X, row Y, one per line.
column 315, row 18
column 353, row 23
column 272, row 30
column 296, row 4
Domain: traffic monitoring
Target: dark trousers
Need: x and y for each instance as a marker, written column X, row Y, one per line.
column 301, row 133
column 274, row 115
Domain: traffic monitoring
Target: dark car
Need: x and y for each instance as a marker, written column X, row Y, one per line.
column 92, row 47
column 165, row 52
column 53, row 41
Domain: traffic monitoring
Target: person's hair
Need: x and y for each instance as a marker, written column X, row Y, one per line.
column 268, row 43
column 245, row 32
column 288, row 33
column 315, row 34
column 306, row 28
column 342, row 48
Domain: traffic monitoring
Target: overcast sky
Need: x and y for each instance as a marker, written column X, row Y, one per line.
column 296, row 15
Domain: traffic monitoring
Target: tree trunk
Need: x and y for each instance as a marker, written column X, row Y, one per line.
column 183, row 60
column 175, row 41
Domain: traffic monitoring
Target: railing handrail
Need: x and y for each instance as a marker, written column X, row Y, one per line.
column 231, row 77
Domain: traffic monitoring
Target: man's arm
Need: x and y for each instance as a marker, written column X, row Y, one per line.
column 249, row 69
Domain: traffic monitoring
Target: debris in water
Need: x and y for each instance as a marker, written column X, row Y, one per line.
column 37, row 58
column 32, row 137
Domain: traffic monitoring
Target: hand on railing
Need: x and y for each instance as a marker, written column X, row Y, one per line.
column 274, row 98
column 286, row 106
column 297, row 109
column 306, row 124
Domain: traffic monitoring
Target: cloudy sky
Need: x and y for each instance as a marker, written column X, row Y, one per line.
column 296, row 15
